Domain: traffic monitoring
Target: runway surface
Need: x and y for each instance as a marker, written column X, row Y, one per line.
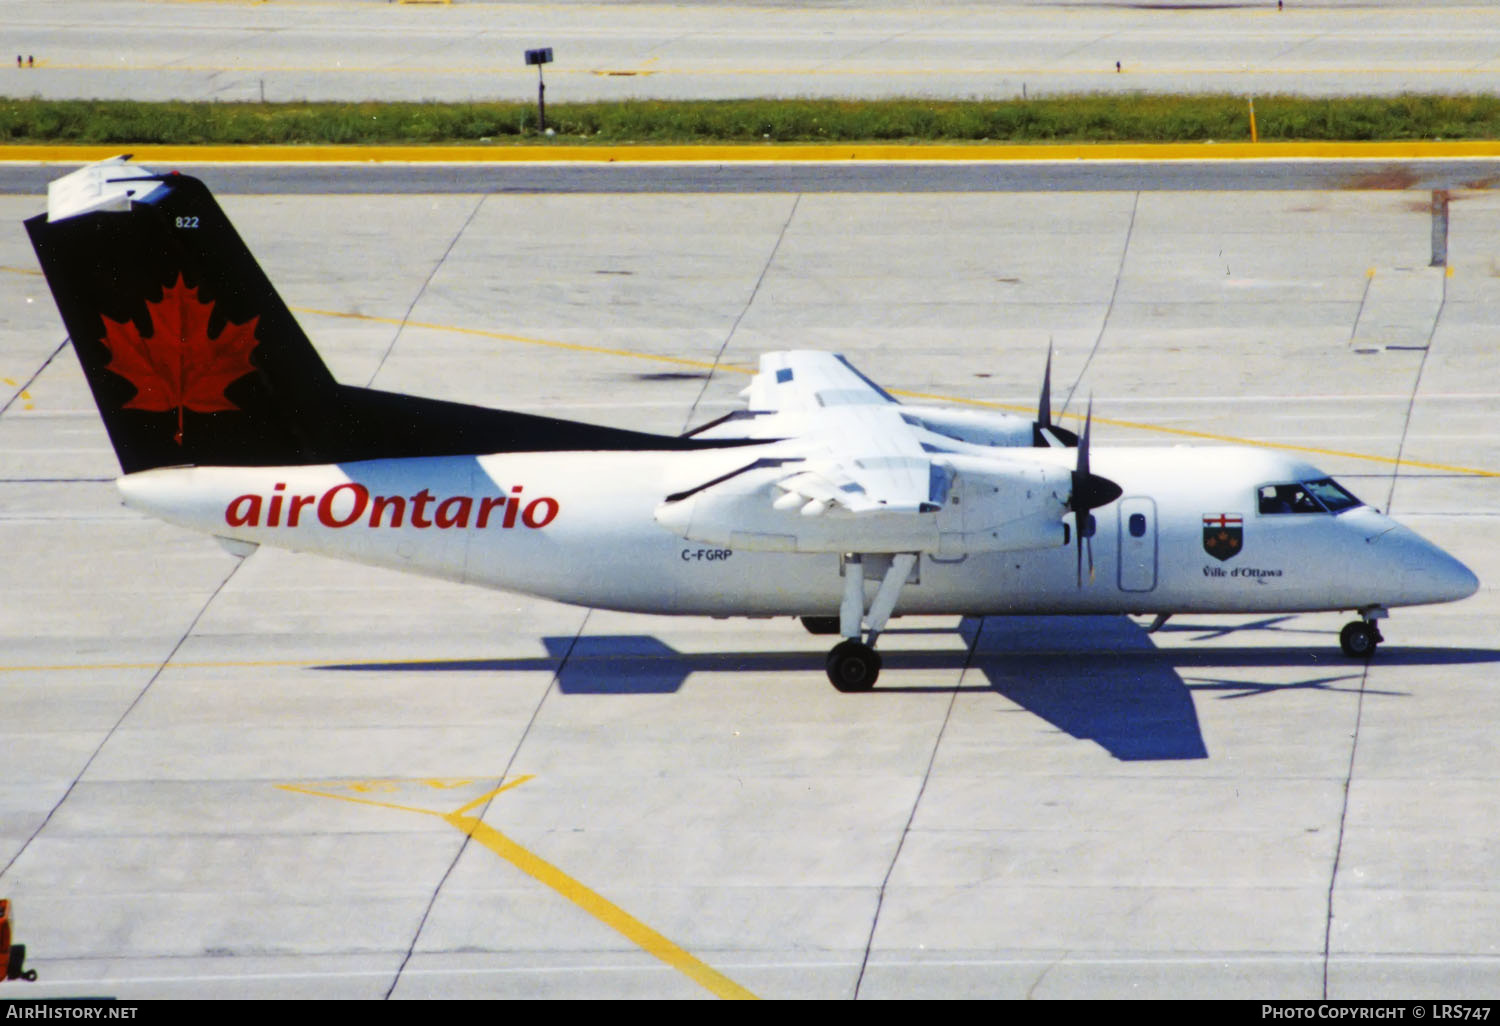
column 283, row 776
column 362, row 49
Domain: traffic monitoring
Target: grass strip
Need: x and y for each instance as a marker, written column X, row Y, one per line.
column 1063, row 119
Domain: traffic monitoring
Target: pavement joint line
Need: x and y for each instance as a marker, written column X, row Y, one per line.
column 602, row 909
column 401, row 325
column 1338, row 849
column 1416, row 388
column 160, row 668
column 749, row 302
column 24, row 394
column 587, row 899
column 490, row 794
column 916, row 803
column 510, row 763
column 755, row 153
column 1114, row 293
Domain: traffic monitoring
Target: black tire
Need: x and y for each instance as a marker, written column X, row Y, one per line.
column 1358, row 639
column 15, row 968
column 853, row 666
column 821, row 624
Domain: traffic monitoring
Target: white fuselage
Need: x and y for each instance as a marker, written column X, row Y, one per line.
column 580, row 527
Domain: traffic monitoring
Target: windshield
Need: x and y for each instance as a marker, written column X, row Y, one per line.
column 1321, row 496
column 1334, row 496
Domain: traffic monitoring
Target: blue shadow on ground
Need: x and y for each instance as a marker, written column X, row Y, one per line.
column 1096, row 678
column 618, row 664
column 1073, row 672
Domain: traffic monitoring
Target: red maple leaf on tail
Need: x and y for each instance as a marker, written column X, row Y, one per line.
column 178, row 366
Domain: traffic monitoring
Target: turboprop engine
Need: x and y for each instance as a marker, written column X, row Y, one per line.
column 974, row 504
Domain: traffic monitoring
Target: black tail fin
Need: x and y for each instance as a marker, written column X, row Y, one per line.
column 194, row 359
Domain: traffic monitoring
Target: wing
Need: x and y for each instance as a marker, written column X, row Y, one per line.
column 863, row 459
column 788, row 393
column 792, row 388
column 804, row 380
column 846, row 468
column 852, row 447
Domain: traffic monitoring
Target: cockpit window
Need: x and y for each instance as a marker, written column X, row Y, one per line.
column 1322, row 496
column 1334, row 496
column 1288, row 498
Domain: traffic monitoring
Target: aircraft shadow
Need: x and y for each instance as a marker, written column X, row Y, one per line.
column 1069, row 671
column 1096, row 678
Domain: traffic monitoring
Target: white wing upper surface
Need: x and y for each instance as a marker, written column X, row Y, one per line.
column 864, row 459
column 801, row 381
column 857, row 452
column 887, row 479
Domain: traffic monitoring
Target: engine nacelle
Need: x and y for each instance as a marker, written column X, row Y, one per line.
column 992, row 506
column 986, row 427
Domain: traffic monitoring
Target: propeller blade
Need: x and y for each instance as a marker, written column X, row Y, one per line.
column 1044, row 433
column 1090, row 491
column 1079, row 539
column 1044, row 404
column 1086, row 527
column 1083, row 443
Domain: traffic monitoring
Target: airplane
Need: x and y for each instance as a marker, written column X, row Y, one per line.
column 825, row 498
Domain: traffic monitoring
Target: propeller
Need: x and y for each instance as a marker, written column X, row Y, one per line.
column 1044, row 433
column 1090, row 491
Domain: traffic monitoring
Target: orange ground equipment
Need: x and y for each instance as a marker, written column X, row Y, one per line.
column 12, row 956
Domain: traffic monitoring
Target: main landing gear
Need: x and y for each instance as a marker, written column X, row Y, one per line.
column 853, row 664
column 1359, row 637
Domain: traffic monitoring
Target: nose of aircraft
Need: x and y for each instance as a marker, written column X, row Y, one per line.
column 1451, row 579
column 1426, row 572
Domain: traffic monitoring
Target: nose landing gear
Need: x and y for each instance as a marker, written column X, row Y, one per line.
column 1359, row 637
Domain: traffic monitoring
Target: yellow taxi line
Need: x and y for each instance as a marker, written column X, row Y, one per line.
column 539, row 869
column 502, row 336
column 708, row 365
column 601, row 908
column 1209, row 436
column 746, row 152
column 1112, row 422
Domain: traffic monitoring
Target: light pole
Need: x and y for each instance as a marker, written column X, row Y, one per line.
column 540, row 57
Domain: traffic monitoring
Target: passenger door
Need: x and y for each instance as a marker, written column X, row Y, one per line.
column 1137, row 534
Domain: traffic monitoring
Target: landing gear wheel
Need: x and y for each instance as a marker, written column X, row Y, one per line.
column 821, row 624
column 853, row 666
column 1358, row 639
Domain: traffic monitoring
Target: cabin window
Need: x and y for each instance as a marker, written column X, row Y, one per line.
column 1137, row 524
column 1321, row 496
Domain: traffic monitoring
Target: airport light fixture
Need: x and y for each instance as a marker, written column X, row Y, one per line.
column 539, row 57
